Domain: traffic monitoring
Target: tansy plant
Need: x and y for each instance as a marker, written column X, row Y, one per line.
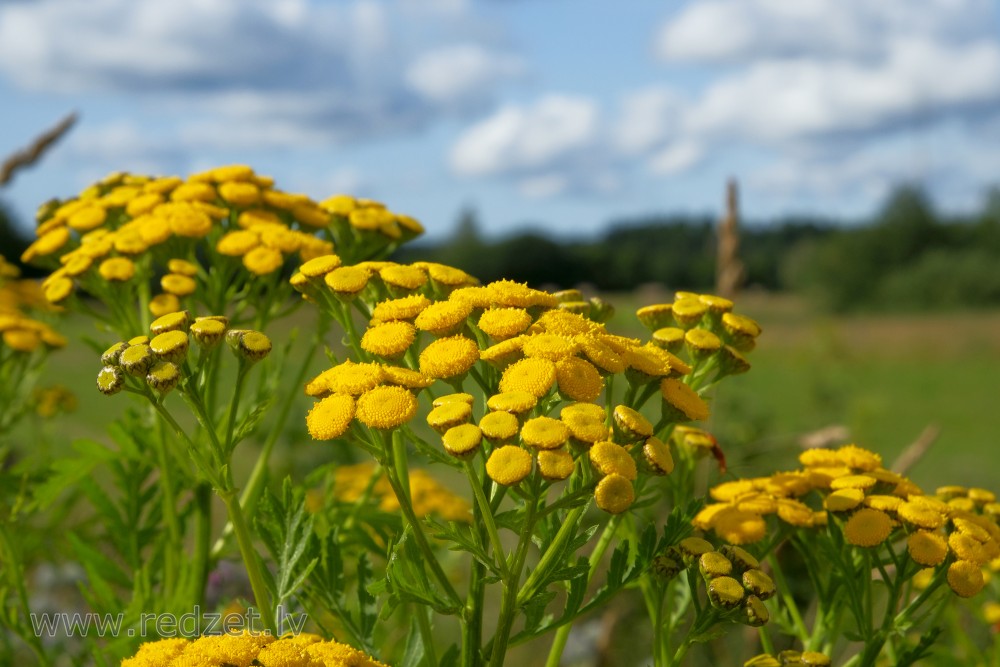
column 497, row 463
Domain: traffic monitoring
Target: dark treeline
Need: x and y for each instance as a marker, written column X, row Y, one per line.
column 907, row 256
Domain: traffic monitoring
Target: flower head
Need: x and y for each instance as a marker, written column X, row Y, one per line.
column 508, row 465
column 330, row 417
column 386, row 407
column 867, row 528
column 449, row 357
column 614, row 494
column 532, row 375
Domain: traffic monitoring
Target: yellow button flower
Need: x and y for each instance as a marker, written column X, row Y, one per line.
column 499, row 426
column 386, row 407
column 682, row 402
column 170, row 322
column 503, row 323
column 544, row 433
column 738, row 526
column 136, row 359
column 555, row 464
column 403, row 308
column 403, row 277
column 178, row 285
column 239, row 193
column 449, row 357
column 170, row 346
column 389, row 339
column 631, row 423
column 237, row 243
column 609, row 458
column 463, row 440
column 614, row 494
column 448, row 415
column 533, row 375
column 182, row 266
column 714, row 564
column 844, row 500
column 508, row 465
column 87, row 218
column 655, row 316
column 163, row 376
column 965, row 578
column 867, row 528
column 443, row 317
column 117, row 269
column 330, row 417
column 208, row 333
column 578, row 379
column 927, row 548
column 320, row 266
column 658, row 456
column 263, row 260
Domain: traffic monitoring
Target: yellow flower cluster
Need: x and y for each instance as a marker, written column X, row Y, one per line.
column 704, row 330
column 18, row 331
column 732, row 577
column 956, row 528
column 229, row 213
column 244, row 650
column 159, row 360
column 366, row 216
column 432, row 322
column 50, row 401
column 794, row 658
column 429, row 496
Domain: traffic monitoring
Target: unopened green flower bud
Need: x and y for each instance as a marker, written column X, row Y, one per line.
column 713, row 564
column 758, row 583
column 757, row 614
column 163, row 376
column 170, row 322
column 136, row 359
column 111, row 355
column 725, row 592
column 762, row 660
column 568, row 295
column 790, row 657
column 656, row 316
column 741, row 559
column 668, row 565
column 170, row 346
column 693, row 547
column 600, row 310
column 110, row 380
column 578, row 307
column 814, row 659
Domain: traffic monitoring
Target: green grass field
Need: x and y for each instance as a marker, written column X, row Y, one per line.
column 885, row 378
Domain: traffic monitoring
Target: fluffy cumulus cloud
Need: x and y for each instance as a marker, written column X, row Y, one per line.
column 829, row 85
column 256, row 72
column 554, row 145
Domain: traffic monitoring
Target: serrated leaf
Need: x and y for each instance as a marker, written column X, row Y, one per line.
column 534, row 609
column 66, row 473
column 251, row 421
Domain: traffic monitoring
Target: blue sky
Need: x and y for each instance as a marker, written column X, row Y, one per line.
column 536, row 112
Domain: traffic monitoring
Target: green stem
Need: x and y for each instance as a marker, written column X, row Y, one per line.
column 511, row 596
column 234, row 406
column 562, row 634
column 487, row 517
column 169, row 502
column 426, row 636
column 787, row 600
column 418, row 531
column 566, row 532
column 202, row 538
column 250, row 558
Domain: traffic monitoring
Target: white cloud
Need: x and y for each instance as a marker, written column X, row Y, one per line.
column 460, row 72
column 676, row 158
column 521, row 139
column 648, row 117
column 256, row 69
column 736, row 31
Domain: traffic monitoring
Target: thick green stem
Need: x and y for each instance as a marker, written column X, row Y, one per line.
column 169, row 503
